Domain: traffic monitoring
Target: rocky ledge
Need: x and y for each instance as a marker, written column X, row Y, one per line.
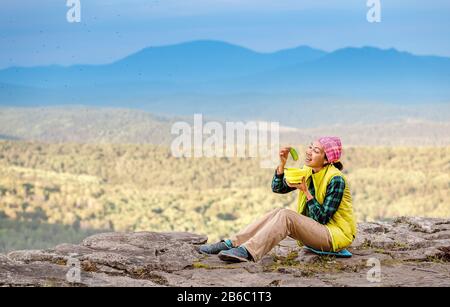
column 404, row 252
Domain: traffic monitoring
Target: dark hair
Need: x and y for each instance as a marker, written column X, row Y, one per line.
column 338, row 165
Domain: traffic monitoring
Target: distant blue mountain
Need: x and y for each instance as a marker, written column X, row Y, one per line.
column 365, row 73
column 195, row 75
column 188, row 62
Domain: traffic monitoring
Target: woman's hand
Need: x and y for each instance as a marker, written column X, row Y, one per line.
column 302, row 187
column 284, row 154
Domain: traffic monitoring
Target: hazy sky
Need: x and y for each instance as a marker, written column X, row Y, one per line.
column 36, row 32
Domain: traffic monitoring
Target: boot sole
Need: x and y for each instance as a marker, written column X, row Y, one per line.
column 231, row 258
column 205, row 253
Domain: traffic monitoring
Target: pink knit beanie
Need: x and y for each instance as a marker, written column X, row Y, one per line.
column 333, row 148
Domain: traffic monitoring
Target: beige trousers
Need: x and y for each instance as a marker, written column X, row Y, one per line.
column 265, row 233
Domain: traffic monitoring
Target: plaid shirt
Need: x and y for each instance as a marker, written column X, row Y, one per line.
column 319, row 213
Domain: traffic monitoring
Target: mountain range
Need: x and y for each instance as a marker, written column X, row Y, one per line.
column 222, row 79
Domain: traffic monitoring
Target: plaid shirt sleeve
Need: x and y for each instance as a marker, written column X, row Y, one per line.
column 279, row 184
column 323, row 213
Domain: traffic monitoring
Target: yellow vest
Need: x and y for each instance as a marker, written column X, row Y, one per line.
column 342, row 225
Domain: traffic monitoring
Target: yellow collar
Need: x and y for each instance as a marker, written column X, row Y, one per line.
column 318, row 177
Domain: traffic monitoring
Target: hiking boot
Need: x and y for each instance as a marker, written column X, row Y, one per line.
column 238, row 254
column 215, row 248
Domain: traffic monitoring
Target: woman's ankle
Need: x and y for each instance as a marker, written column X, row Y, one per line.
column 228, row 243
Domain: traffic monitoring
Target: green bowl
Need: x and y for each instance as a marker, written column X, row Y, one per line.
column 294, row 175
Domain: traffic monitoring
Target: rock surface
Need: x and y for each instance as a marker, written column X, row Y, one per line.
column 408, row 251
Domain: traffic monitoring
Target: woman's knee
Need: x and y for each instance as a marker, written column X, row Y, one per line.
column 285, row 212
column 275, row 211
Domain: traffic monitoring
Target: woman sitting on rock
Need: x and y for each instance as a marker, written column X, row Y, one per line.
column 324, row 219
